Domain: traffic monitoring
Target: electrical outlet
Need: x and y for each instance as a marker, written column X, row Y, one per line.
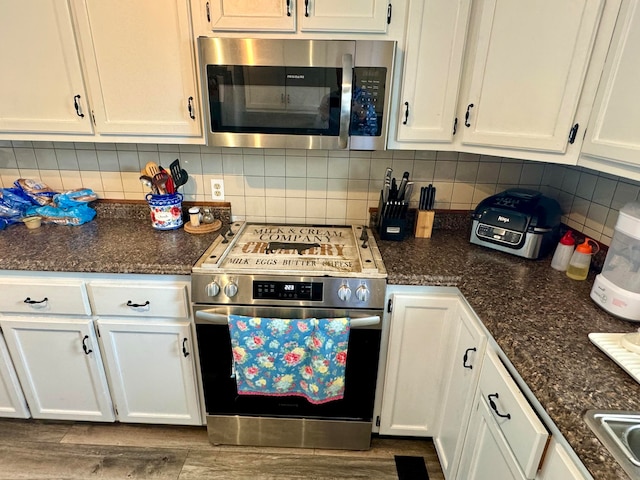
column 217, row 189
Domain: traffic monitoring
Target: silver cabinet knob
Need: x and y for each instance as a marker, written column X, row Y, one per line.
column 213, row 289
column 231, row 289
column 362, row 293
column 344, row 293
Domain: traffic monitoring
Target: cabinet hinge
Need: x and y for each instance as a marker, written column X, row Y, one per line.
column 115, row 409
column 390, row 305
column 573, row 133
column 378, row 421
column 93, row 117
column 98, row 331
column 389, row 9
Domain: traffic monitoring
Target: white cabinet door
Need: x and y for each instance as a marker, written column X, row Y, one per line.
column 461, row 376
column 354, row 16
column 559, row 465
column 59, row 366
column 486, row 453
column 12, row 401
column 526, row 69
column 151, row 370
column 418, row 342
column 41, row 78
column 140, row 65
column 249, row 15
column 614, row 126
column 435, row 38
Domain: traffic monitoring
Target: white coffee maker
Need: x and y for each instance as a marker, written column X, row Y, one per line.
column 617, row 288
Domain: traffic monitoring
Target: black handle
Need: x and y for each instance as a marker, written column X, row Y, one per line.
column 208, row 12
column 288, row 8
column 32, row 302
column 77, row 105
column 184, row 348
column 406, row 113
column 190, row 108
column 492, row 404
column 84, row 345
column 306, row 8
column 466, row 358
column 137, row 305
column 455, row 125
column 466, row 115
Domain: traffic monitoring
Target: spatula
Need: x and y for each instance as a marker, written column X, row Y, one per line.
column 180, row 175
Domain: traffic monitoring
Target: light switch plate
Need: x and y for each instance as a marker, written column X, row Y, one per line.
column 217, row 189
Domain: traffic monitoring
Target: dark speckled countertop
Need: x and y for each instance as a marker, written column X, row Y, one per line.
column 541, row 319
column 538, row 316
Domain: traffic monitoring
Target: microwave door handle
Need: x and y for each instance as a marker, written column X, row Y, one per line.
column 345, row 101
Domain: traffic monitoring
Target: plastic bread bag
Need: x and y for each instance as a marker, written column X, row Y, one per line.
column 39, row 192
column 74, row 198
column 64, row 216
column 13, row 204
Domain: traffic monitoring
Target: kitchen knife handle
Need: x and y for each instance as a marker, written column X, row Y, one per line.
column 406, row 113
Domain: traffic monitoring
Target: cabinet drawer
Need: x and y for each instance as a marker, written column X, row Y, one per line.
column 136, row 300
column 43, row 296
column 522, row 429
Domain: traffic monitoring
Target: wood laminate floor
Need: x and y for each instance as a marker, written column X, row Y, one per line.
column 47, row 450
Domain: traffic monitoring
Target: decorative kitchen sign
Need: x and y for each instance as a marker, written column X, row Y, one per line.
column 256, row 248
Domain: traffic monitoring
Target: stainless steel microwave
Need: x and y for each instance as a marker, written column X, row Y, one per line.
column 310, row 94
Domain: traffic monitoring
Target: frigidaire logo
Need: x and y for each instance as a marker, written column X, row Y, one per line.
column 295, row 75
column 503, row 219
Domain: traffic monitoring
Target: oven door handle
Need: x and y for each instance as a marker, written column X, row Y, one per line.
column 220, row 319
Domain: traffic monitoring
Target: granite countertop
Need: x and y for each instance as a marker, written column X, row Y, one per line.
column 541, row 319
column 538, row 316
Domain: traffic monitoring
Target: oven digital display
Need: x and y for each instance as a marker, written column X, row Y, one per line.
column 264, row 290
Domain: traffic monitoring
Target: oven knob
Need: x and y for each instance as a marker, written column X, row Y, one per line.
column 344, row 293
column 213, row 289
column 230, row 289
column 362, row 293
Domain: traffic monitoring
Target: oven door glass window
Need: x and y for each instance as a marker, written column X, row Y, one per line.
column 280, row 100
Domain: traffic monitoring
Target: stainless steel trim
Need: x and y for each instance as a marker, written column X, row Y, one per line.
column 530, row 248
column 220, row 319
column 345, row 102
column 289, row 432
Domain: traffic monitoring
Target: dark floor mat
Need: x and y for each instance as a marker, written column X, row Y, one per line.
column 411, row 468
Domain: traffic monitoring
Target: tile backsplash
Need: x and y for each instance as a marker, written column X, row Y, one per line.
column 318, row 186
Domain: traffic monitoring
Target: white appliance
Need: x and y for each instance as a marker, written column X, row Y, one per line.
column 617, row 288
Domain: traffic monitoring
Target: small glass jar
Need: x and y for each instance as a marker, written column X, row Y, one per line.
column 194, row 216
column 207, row 216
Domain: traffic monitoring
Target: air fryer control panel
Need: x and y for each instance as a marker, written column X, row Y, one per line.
column 498, row 234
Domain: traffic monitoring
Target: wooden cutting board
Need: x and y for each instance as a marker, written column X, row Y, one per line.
column 203, row 227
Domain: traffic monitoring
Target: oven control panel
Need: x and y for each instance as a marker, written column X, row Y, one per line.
column 274, row 290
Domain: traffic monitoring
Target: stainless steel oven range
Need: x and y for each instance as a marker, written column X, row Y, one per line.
column 290, row 271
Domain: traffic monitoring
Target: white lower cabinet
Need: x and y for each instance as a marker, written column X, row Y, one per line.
column 559, row 465
column 151, row 370
column 59, row 366
column 12, row 401
column 461, row 377
column 420, row 323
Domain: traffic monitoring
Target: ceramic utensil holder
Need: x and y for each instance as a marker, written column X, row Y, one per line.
column 166, row 210
column 424, row 223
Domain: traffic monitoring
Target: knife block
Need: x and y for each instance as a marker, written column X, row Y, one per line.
column 391, row 228
column 424, row 223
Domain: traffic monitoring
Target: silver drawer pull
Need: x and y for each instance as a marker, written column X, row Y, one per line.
column 493, row 406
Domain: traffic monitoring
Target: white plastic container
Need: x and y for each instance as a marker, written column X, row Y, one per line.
column 578, row 267
column 563, row 253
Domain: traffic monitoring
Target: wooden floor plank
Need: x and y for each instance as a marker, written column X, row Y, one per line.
column 12, row 430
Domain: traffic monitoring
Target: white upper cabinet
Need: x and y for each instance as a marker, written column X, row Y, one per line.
column 614, row 127
column 140, row 66
column 365, row 16
column 41, row 79
column 434, row 47
column 526, row 68
column 328, row 16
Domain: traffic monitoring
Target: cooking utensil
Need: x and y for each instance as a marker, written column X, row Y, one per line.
column 147, row 181
column 179, row 174
column 152, row 169
column 170, row 186
column 160, row 181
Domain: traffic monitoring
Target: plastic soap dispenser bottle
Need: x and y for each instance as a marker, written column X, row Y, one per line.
column 578, row 268
column 564, row 251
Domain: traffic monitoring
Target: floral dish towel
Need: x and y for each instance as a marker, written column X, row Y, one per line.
column 282, row 357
